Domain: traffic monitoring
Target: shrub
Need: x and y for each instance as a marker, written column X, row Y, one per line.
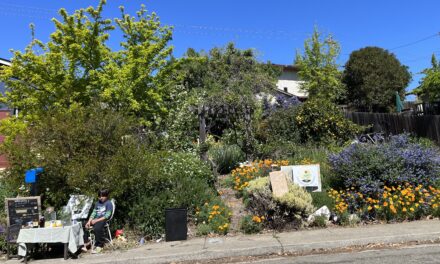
column 279, row 125
column 203, row 229
column 251, row 224
column 170, row 180
column 214, row 214
column 321, row 121
column 226, row 157
column 319, row 221
column 288, row 210
column 81, row 151
column 368, row 168
column 319, row 199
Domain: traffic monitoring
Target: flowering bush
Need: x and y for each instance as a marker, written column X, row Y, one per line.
column 242, row 175
column 280, row 212
column 323, row 122
column 401, row 202
column 215, row 215
column 251, row 224
column 368, row 168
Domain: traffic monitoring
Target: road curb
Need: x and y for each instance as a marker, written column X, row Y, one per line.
column 297, row 249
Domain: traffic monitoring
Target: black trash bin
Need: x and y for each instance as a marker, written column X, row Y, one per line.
column 176, row 224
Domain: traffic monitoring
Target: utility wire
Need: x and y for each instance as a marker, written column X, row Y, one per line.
column 417, row 41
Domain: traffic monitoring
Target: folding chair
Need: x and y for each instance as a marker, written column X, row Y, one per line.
column 106, row 226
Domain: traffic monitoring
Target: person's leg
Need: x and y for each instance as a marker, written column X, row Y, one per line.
column 98, row 229
column 86, row 235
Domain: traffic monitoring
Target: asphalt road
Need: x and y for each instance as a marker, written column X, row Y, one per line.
column 414, row 254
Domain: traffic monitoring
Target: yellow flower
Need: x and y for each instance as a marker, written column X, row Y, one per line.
column 393, row 209
column 256, row 219
column 385, row 204
column 369, row 208
column 404, row 209
column 411, row 209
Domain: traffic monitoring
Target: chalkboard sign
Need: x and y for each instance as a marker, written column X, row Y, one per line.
column 23, row 210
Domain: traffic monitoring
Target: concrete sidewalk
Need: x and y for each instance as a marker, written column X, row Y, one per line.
column 303, row 242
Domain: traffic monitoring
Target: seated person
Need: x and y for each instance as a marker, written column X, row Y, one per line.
column 101, row 213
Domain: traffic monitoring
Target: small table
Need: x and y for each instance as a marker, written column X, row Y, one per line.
column 70, row 236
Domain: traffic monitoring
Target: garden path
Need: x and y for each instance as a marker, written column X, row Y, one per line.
column 234, row 203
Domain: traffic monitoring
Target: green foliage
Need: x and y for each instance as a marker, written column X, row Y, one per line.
column 297, row 199
column 373, row 75
column 225, row 157
column 225, row 81
column 203, row 229
column 287, row 211
column 318, row 68
column 171, row 180
column 321, row 121
column 319, row 221
column 182, row 124
column 429, row 88
column 251, row 224
column 319, row 199
column 81, row 151
column 278, row 126
column 78, row 68
column 215, row 214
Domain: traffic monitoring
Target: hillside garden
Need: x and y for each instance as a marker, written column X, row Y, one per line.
column 162, row 132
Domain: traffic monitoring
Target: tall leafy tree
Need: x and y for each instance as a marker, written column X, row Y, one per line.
column 77, row 67
column 373, row 75
column 429, row 88
column 318, row 68
column 223, row 84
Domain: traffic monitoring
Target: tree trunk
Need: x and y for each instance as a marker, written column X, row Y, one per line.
column 202, row 133
column 248, row 133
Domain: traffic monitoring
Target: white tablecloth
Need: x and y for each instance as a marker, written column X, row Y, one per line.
column 72, row 235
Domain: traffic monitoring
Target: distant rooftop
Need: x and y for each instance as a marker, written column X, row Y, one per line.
column 287, row 66
column 5, row 62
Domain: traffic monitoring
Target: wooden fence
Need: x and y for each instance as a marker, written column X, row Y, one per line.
column 423, row 126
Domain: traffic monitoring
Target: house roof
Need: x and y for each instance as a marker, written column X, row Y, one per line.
column 287, row 67
column 5, row 62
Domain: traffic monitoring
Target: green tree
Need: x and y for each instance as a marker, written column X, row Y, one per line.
column 77, row 67
column 373, row 75
column 320, row 121
column 429, row 88
column 223, row 84
column 81, row 151
column 318, row 68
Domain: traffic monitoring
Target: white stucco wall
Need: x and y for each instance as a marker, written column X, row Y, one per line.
column 290, row 80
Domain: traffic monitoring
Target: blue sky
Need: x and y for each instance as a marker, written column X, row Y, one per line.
column 276, row 29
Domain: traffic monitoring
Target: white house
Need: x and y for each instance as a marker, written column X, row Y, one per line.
column 288, row 81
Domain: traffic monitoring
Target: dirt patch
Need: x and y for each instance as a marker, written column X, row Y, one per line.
column 234, row 203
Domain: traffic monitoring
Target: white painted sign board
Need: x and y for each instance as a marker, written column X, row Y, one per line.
column 308, row 176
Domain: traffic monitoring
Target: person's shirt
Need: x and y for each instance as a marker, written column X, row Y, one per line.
column 104, row 209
